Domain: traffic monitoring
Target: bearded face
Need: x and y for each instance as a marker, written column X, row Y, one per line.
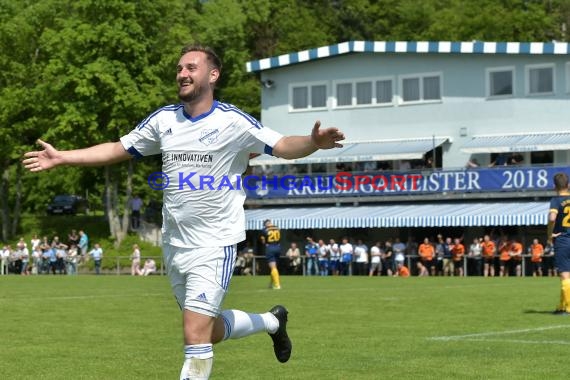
column 194, row 76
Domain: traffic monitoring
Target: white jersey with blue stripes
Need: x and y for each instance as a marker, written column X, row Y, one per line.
column 202, row 161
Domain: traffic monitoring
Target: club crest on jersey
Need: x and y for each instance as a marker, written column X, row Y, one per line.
column 209, row 136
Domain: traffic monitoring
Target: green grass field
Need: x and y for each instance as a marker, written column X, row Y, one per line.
column 112, row 327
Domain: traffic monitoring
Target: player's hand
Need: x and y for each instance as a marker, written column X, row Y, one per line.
column 326, row 138
column 42, row 160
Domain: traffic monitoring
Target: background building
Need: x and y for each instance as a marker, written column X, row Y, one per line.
column 484, row 125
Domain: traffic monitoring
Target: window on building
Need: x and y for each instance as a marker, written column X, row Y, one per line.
column 542, row 157
column 306, row 97
column 431, row 88
column 319, row 96
column 343, row 94
column 411, row 90
column 540, row 79
column 384, row 91
column 501, row 82
column 363, row 92
column 421, row 88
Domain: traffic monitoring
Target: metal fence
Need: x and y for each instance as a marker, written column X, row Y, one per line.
column 121, row 265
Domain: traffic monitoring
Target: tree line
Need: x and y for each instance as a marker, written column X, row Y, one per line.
column 78, row 73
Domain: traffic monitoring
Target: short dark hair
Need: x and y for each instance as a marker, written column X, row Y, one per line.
column 561, row 181
column 213, row 59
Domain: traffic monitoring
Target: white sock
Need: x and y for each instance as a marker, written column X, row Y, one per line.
column 239, row 324
column 198, row 362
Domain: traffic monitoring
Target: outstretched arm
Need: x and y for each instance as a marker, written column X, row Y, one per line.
column 97, row 155
column 290, row 147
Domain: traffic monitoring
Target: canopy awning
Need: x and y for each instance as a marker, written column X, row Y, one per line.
column 518, row 143
column 380, row 150
column 409, row 215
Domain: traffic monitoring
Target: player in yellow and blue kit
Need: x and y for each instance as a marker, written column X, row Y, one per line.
column 559, row 231
column 271, row 238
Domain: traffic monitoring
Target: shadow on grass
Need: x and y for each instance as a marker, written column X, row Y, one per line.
column 532, row 311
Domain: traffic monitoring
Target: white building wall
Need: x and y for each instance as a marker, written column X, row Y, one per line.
column 464, row 107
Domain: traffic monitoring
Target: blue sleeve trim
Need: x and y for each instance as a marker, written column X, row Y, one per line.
column 135, row 153
column 268, row 150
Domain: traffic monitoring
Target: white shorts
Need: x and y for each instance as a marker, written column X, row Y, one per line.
column 200, row 276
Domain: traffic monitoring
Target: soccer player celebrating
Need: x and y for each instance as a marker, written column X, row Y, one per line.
column 271, row 238
column 559, row 230
column 206, row 138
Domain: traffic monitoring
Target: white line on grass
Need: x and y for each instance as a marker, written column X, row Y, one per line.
column 495, row 333
column 524, row 341
column 81, row 297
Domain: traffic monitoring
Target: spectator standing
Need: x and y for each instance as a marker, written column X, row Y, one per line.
column 136, row 204
column 97, row 255
column 346, row 252
column 488, row 251
column 516, row 253
column 61, row 257
column 83, row 246
column 35, row 242
column 4, row 257
column 311, row 251
column 37, row 260
column 504, row 257
column 376, row 253
column 448, row 263
column 294, row 258
column 45, row 247
column 458, row 254
column 426, row 251
column 25, row 257
column 73, row 238
column 71, row 260
column 388, row 259
column 439, row 255
column 136, row 261
column 334, row 262
column 474, row 258
column 52, row 259
column 361, row 258
column 536, row 251
column 323, row 253
column 399, row 248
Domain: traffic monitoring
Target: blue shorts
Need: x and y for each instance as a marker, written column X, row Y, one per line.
column 272, row 252
column 562, row 253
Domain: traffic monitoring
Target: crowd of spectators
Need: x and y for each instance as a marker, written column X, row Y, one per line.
column 487, row 256
column 45, row 256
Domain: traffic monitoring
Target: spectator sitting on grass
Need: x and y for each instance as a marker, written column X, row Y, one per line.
column 149, row 267
column 402, row 270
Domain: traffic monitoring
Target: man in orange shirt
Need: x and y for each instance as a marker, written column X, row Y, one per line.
column 536, row 251
column 516, row 256
column 457, row 253
column 504, row 257
column 488, row 250
column 426, row 251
